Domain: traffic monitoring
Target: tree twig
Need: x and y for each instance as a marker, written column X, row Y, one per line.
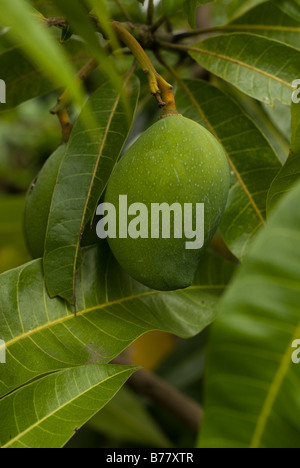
column 157, row 24
column 159, row 87
column 181, row 406
column 150, row 12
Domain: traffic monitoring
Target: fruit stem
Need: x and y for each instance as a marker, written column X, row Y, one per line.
column 66, row 124
column 159, row 87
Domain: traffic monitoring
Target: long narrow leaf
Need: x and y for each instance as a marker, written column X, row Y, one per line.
column 25, row 80
column 268, row 20
column 49, row 411
column 290, row 172
column 40, row 46
column 77, row 17
column 250, row 63
column 84, row 173
column 252, row 385
column 42, row 335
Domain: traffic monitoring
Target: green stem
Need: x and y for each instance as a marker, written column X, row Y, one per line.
column 198, row 32
column 159, row 87
column 150, row 12
column 158, row 23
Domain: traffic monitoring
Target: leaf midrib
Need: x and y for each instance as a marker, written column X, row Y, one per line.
column 40, row 421
column 99, row 307
column 241, row 64
column 111, row 115
column 272, row 394
column 237, row 26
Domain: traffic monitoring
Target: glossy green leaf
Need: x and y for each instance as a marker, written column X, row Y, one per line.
column 12, row 246
column 290, row 172
column 250, row 63
column 125, row 418
column 48, row 412
column 42, row 335
column 291, row 7
column 26, row 81
column 84, row 173
column 252, row 160
column 224, row 12
column 252, row 384
column 268, row 20
column 40, row 46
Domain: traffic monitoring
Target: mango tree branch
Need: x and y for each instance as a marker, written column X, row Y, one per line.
column 181, row 406
column 66, row 124
column 155, row 26
column 150, row 12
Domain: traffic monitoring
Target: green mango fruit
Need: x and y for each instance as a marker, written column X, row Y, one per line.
column 38, row 204
column 175, row 161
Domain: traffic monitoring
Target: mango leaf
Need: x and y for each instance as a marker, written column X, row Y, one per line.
column 290, row 172
column 171, row 6
column 12, row 246
column 26, row 81
column 42, row 335
column 46, row 7
column 268, row 20
column 251, row 158
column 48, row 412
column 250, row 63
column 291, row 7
column 252, row 384
column 126, row 418
column 39, row 45
column 224, row 12
column 77, row 17
column 190, row 8
column 84, row 173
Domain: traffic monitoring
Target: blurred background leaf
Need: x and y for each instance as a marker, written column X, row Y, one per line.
column 25, row 81
column 290, row 172
column 252, row 385
column 291, row 7
column 12, row 246
column 40, row 46
column 73, row 396
column 126, row 419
